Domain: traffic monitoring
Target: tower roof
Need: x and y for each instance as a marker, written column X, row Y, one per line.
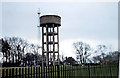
column 50, row 19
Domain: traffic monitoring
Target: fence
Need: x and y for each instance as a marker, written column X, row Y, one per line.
column 68, row 71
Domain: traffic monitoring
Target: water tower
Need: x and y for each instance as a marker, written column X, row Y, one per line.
column 50, row 39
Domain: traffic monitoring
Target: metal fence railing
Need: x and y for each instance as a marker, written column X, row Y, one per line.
column 63, row 71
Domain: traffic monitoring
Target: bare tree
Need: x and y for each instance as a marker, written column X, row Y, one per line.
column 82, row 51
column 97, row 59
column 102, row 49
column 35, row 49
column 6, row 52
column 16, row 50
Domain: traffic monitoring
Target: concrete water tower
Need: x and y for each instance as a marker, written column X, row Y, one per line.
column 50, row 39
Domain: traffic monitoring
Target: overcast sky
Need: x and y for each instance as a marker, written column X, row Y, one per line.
column 91, row 22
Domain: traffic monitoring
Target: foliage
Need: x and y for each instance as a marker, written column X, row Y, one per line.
column 69, row 61
column 111, row 57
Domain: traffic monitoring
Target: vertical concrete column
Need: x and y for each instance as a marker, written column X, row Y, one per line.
column 53, row 45
column 47, row 46
column 58, row 44
column 42, row 46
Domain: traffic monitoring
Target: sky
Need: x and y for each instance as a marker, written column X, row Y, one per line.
column 91, row 22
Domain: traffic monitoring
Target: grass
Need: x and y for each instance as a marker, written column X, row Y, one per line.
column 98, row 71
column 108, row 70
